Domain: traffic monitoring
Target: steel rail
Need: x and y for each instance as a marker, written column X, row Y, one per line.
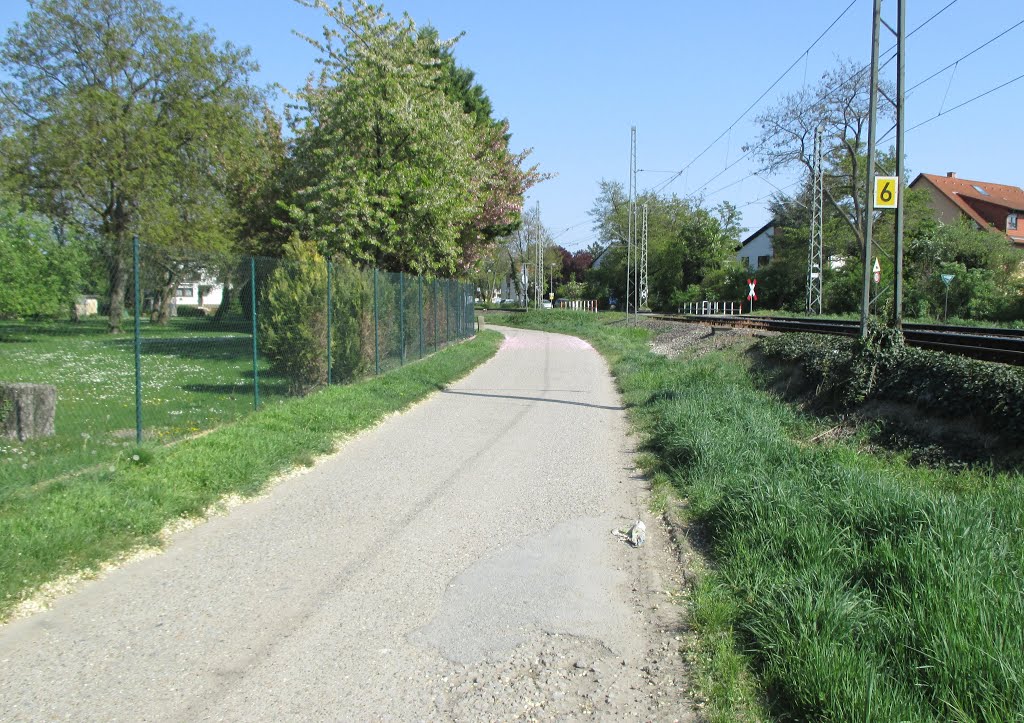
column 990, row 344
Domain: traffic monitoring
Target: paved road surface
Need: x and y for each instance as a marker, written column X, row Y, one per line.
column 456, row 562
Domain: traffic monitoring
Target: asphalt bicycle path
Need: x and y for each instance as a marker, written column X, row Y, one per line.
column 454, row 563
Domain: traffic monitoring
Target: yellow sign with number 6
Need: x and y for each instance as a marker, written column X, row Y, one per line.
column 887, row 191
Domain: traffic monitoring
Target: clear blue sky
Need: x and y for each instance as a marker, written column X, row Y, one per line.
column 572, row 77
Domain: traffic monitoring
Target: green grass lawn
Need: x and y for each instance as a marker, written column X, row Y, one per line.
column 194, row 377
column 853, row 585
column 196, row 374
column 80, row 521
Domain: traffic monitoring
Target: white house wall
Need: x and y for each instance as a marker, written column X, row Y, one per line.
column 757, row 246
column 213, row 297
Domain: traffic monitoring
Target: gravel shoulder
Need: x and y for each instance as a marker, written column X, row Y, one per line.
column 455, row 563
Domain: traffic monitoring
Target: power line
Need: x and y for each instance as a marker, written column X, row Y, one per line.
column 828, row 92
column 965, row 57
column 892, row 48
column 961, row 105
column 831, row 90
column 760, row 97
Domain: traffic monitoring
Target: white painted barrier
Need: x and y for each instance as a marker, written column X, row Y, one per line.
column 712, row 308
column 577, row 304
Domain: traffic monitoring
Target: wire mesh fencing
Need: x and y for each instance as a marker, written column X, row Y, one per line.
column 205, row 342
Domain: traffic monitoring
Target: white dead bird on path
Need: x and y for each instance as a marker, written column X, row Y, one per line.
column 636, row 536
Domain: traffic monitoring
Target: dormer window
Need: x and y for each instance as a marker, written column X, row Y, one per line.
column 1011, row 222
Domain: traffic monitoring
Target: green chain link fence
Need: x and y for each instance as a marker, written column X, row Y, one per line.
column 209, row 344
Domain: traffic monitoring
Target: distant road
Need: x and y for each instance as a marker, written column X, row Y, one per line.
column 456, row 562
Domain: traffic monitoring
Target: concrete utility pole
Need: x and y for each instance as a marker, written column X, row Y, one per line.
column 538, row 274
column 901, row 42
column 815, row 268
column 865, row 302
column 631, row 223
column 901, row 91
column 643, row 260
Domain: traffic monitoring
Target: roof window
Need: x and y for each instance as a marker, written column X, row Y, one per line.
column 980, row 190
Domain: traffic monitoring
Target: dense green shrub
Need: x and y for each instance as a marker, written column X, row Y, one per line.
column 352, row 321
column 39, row 277
column 293, row 320
column 849, row 371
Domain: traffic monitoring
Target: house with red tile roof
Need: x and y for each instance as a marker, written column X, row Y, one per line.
column 991, row 206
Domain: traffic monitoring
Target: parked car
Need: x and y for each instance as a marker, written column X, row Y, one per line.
column 545, row 304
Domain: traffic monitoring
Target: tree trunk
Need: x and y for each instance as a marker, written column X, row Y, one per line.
column 162, row 313
column 118, row 288
column 225, row 300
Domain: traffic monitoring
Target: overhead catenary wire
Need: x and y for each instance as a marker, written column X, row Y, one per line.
column 832, row 89
column 891, row 56
column 961, row 105
column 664, row 184
column 966, row 56
column 761, row 97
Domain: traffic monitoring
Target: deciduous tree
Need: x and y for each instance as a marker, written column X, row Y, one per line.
column 118, row 112
column 839, row 104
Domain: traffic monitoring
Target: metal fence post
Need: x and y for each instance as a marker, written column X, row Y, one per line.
column 447, row 311
column 433, row 293
column 138, row 343
column 419, row 292
column 401, row 315
column 329, row 322
column 255, row 335
column 376, row 327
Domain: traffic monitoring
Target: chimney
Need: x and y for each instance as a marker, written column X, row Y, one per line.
column 951, row 174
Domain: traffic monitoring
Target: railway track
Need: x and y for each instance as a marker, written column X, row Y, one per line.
column 999, row 345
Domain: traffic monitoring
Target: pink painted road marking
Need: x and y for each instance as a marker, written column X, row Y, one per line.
column 554, row 341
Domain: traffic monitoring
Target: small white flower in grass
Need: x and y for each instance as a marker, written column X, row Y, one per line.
column 135, row 458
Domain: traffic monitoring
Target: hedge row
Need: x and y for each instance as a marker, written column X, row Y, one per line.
column 846, row 372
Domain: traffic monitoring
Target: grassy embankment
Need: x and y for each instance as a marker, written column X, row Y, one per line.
column 852, row 585
column 79, row 521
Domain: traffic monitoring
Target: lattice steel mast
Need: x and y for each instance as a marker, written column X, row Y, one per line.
column 631, row 223
column 814, row 254
column 643, row 260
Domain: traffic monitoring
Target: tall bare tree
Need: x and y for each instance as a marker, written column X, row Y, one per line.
column 839, row 104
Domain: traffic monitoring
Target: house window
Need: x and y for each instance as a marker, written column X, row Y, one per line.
column 1011, row 221
column 745, row 260
column 185, row 292
column 763, row 260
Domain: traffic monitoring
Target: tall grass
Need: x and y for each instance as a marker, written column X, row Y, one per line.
column 76, row 523
column 859, row 588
